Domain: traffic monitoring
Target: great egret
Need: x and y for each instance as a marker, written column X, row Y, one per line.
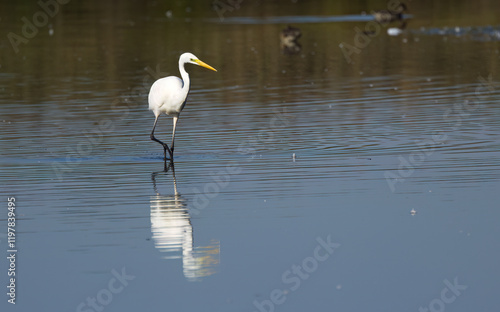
column 168, row 95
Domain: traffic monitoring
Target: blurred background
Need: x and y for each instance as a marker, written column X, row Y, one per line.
column 386, row 141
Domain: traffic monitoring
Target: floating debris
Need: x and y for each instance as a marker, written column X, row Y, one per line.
column 394, row 31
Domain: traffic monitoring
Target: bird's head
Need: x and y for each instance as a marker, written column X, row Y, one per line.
column 191, row 58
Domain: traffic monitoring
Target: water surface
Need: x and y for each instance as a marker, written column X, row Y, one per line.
column 276, row 154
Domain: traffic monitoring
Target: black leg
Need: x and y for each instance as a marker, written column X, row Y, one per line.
column 165, row 146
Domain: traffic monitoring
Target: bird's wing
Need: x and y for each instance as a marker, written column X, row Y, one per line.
column 166, row 94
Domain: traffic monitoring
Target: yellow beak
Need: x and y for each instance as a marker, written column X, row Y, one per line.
column 203, row 64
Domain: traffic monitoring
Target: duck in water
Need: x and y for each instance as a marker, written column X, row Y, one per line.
column 388, row 16
column 288, row 38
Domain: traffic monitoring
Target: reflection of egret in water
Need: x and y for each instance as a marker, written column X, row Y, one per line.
column 173, row 233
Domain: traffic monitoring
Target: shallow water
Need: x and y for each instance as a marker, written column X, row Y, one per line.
column 296, row 174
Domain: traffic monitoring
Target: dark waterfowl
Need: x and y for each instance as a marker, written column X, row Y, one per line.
column 288, row 38
column 388, row 16
column 290, row 34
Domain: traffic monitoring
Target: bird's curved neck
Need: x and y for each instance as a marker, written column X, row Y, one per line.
column 185, row 76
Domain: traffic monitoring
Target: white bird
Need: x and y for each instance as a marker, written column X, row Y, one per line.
column 168, row 95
